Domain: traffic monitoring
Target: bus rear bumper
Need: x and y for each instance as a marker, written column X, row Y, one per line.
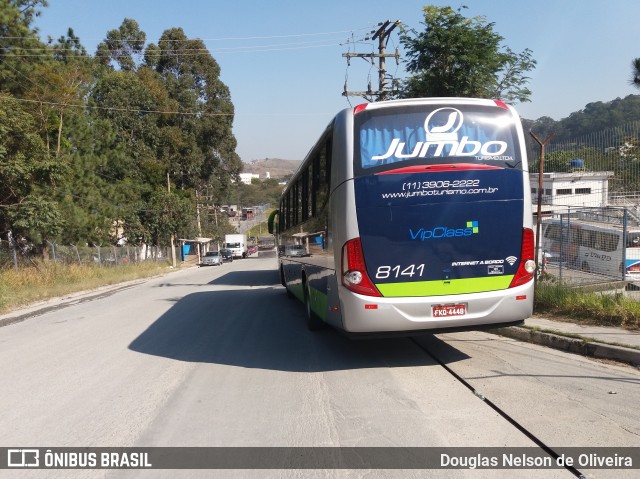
column 365, row 314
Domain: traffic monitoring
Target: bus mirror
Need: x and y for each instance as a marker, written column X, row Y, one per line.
column 271, row 222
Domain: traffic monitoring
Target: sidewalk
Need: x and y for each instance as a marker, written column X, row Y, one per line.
column 596, row 341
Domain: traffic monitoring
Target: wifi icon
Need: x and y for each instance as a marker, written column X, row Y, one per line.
column 511, row 260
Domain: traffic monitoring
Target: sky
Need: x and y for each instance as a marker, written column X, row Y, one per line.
column 282, row 59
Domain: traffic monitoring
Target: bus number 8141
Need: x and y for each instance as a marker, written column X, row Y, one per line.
column 385, row 272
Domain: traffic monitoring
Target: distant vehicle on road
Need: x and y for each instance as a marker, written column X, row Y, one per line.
column 266, row 242
column 295, row 250
column 237, row 243
column 212, row 258
column 227, row 255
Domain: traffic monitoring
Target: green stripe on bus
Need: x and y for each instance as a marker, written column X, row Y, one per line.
column 441, row 288
column 296, row 290
column 319, row 302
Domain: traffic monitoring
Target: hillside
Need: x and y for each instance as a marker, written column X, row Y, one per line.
column 595, row 117
column 277, row 168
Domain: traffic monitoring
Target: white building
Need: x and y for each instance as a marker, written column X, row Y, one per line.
column 576, row 189
column 247, row 177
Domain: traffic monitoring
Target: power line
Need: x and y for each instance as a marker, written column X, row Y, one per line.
column 163, row 112
column 192, row 52
column 266, row 37
column 46, row 51
column 382, row 35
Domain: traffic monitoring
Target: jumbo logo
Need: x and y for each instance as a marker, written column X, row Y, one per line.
column 439, row 232
column 441, row 128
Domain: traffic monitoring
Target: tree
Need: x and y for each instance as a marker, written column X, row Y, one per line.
column 27, row 175
column 204, row 129
column 18, row 43
column 58, row 87
column 123, row 46
column 458, row 56
column 39, row 219
column 168, row 213
column 635, row 73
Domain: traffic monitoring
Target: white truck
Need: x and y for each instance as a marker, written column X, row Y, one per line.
column 237, row 244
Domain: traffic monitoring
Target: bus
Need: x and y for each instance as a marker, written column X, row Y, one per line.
column 414, row 216
column 598, row 241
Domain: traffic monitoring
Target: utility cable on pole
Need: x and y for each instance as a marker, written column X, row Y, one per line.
column 382, row 35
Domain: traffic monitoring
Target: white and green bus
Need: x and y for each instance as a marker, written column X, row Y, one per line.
column 414, row 215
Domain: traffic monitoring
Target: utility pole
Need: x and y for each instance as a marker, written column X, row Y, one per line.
column 173, row 248
column 382, row 35
column 539, row 211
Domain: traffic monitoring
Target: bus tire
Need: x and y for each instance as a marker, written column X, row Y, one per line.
column 585, row 267
column 314, row 323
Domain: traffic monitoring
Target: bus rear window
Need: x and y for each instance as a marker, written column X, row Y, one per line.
column 435, row 134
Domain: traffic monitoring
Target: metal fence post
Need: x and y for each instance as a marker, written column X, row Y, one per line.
column 562, row 261
column 12, row 245
column 53, row 250
column 624, row 244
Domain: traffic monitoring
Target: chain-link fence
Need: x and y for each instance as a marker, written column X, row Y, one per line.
column 589, row 197
column 17, row 255
column 591, row 245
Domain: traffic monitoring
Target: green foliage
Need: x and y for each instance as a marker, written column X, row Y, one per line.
column 25, row 170
column 598, row 308
column 635, row 72
column 92, row 153
column 123, row 46
column 37, row 218
column 215, row 225
column 167, row 213
column 459, row 56
column 604, row 125
column 18, row 39
column 594, row 118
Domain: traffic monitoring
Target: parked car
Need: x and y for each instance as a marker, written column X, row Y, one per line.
column 211, row 258
column 227, row 255
column 295, row 250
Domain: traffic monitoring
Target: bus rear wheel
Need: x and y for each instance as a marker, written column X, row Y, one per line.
column 314, row 323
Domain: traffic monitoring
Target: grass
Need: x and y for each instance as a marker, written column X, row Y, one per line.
column 28, row 285
column 603, row 309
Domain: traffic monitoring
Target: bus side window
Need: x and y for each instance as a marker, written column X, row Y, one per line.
column 599, row 241
column 588, row 238
column 552, row 232
column 610, row 242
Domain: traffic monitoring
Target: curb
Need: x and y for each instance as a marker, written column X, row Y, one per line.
column 572, row 345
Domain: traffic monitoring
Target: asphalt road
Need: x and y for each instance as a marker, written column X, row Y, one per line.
column 220, row 357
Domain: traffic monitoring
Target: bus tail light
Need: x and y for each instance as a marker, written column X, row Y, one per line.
column 354, row 271
column 359, row 108
column 527, row 267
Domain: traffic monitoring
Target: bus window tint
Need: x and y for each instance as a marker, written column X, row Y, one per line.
column 477, row 134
